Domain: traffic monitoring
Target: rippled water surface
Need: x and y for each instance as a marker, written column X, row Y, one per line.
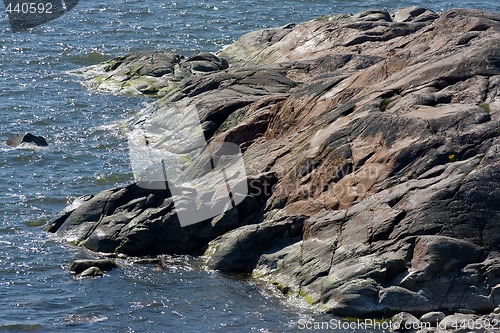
column 88, row 153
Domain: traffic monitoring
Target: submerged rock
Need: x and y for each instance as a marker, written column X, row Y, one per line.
column 371, row 146
column 91, row 272
column 18, row 139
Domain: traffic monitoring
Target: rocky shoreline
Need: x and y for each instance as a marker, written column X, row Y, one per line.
column 371, row 148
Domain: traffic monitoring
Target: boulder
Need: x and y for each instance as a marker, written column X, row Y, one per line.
column 18, row 139
column 405, row 322
column 91, row 272
column 205, row 62
column 79, row 266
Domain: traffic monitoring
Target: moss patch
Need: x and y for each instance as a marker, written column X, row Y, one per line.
column 485, row 107
column 384, row 104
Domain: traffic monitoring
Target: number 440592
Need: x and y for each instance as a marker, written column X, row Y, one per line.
column 29, row 8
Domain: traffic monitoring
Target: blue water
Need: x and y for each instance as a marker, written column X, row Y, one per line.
column 88, row 153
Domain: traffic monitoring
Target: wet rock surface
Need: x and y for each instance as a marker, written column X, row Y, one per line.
column 371, row 142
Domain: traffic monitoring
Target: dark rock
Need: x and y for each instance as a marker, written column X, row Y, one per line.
column 239, row 250
column 206, row 62
column 55, row 224
column 131, row 220
column 91, row 272
column 138, row 221
column 17, row 139
column 79, row 266
column 437, row 256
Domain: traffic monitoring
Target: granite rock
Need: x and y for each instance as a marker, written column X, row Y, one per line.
column 372, row 144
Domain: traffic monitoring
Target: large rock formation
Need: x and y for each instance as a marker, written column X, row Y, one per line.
column 372, row 147
column 149, row 73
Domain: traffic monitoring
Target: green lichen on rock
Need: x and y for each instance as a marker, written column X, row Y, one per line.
column 485, row 107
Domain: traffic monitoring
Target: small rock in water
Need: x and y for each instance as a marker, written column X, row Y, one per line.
column 79, row 266
column 17, row 139
column 432, row 317
column 91, row 272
